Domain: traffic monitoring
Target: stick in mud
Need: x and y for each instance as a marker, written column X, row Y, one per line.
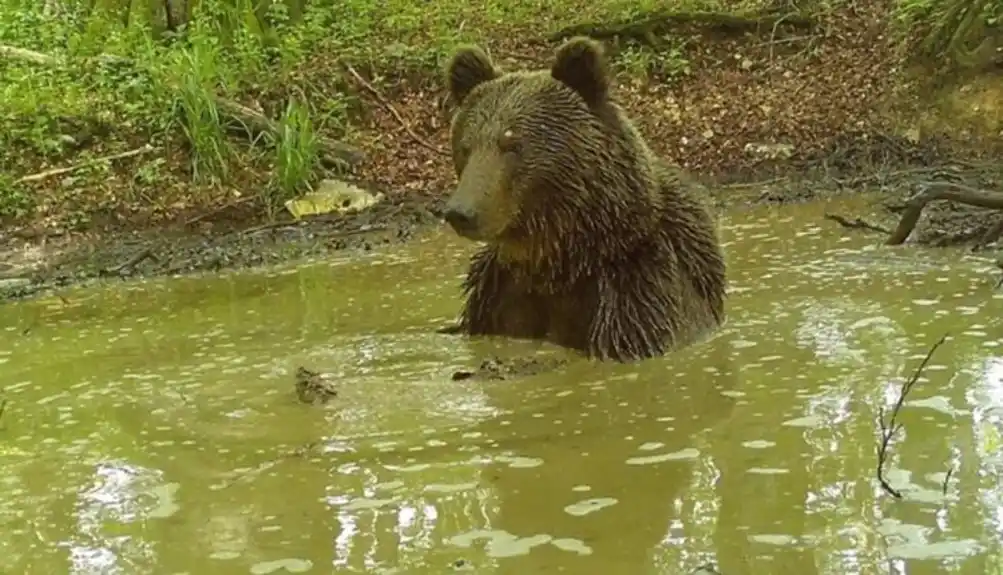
column 891, row 427
column 3, row 408
column 856, row 223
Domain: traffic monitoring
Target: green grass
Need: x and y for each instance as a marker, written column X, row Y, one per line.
column 296, row 155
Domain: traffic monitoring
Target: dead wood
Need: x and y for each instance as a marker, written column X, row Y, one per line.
column 856, row 223
column 891, row 426
column 66, row 170
column 333, row 154
column 393, row 111
column 952, row 192
column 649, row 25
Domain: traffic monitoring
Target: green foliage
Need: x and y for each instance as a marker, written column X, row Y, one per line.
column 964, row 33
column 666, row 63
column 199, row 113
column 15, row 200
column 296, row 155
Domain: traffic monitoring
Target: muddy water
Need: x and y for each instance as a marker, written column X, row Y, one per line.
column 153, row 428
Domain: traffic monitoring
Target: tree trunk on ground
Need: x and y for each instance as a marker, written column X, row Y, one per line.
column 941, row 191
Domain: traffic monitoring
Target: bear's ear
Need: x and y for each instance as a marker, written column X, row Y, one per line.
column 469, row 67
column 581, row 65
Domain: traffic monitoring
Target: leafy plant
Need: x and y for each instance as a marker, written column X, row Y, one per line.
column 296, row 155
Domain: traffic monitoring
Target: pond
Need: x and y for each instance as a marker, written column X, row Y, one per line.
column 151, row 427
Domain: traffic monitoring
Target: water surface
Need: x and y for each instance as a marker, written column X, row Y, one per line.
column 152, row 427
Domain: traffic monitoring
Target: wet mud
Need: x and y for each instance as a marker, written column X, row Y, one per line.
column 217, row 246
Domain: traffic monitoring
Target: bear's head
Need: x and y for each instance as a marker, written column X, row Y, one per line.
column 531, row 149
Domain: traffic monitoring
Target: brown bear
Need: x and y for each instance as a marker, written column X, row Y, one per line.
column 592, row 242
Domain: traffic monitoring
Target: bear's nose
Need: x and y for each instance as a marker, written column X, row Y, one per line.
column 462, row 220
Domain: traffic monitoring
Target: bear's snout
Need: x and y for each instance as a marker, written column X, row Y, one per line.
column 462, row 218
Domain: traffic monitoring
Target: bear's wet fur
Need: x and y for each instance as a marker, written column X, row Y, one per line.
column 592, row 242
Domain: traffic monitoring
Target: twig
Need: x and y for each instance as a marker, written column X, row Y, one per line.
column 759, row 184
column 301, row 451
column 132, row 262
column 60, row 171
column 28, row 55
column 3, row 407
column 856, row 223
column 947, row 478
column 889, row 428
column 217, row 210
column 393, row 111
column 305, row 221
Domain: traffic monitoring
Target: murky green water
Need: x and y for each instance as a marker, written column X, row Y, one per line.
column 152, row 428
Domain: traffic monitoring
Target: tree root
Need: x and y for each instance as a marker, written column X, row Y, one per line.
column 952, row 192
column 646, row 27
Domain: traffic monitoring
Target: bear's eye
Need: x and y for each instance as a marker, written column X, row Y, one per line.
column 509, row 142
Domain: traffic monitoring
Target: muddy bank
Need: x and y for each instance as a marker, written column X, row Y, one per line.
column 237, row 237
column 30, row 266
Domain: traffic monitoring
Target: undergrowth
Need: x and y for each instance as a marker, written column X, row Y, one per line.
column 91, row 79
column 966, row 34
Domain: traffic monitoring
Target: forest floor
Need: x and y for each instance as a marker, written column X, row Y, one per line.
column 775, row 115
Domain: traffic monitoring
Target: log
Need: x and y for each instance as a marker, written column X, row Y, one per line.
column 333, row 154
column 661, row 21
column 941, row 191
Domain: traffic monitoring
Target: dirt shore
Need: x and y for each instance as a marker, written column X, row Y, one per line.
column 235, row 237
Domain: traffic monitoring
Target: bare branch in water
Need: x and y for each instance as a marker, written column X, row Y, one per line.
column 890, row 427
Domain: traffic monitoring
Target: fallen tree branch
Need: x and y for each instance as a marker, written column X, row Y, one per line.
column 890, row 428
column 661, row 21
column 130, row 264
column 15, row 53
column 856, row 223
column 393, row 111
column 333, row 154
column 60, row 171
column 941, row 191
